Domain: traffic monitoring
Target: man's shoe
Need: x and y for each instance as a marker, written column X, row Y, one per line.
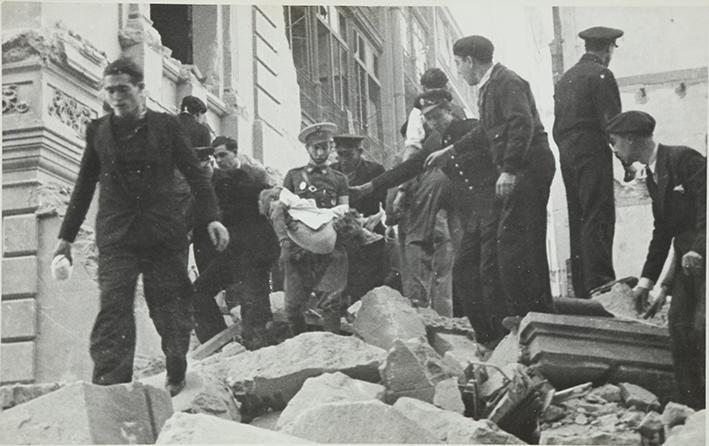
column 174, row 389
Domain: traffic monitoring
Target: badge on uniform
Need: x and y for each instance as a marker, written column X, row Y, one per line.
column 302, row 185
column 312, row 189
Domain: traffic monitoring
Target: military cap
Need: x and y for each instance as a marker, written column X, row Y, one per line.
column 348, row 140
column 631, row 122
column 433, row 99
column 319, row 132
column 193, row 105
column 601, row 33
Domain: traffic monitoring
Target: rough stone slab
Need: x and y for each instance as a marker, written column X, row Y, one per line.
column 87, row 413
column 606, row 392
column 447, row 396
column 13, row 395
column 451, row 427
column 413, row 369
column 202, row 394
column 358, row 422
column 269, row 420
column 218, row 341
column 435, row 323
column 19, row 319
column 618, row 301
column 651, row 425
column 575, row 434
column 271, row 376
column 693, row 432
column 183, row 428
column 278, row 305
column 328, row 388
column 636, row 396
column 445, row 342
column 19, row 276
column 675, row 414
column 459, row 358
column 17, row 363
column 20, row 234
column 385, row 316
column 570, row 350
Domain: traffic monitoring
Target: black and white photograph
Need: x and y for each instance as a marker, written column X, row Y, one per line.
column 253, row 222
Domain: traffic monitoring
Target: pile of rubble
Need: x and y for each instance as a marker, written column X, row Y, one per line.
column 404, row 376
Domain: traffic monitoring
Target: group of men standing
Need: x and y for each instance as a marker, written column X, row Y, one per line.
column 483, row 183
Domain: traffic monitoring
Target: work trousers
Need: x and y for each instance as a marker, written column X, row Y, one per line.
column 588, row 178
column 167, row 291
column 521, row 240
column 367, row 267
column 324, row 276
column 687, row 325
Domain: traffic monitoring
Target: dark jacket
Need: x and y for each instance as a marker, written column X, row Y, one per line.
column 365, row 171
column 152, row 214
column 586, row 97
column 678, row 205
column 196, row 133
column 510, row 123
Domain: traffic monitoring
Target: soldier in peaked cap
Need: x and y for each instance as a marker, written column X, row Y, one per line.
column 676, row 180
column 366, row 264
column 306, row 272
column 585, row 99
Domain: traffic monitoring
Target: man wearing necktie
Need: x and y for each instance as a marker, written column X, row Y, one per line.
column 676, row 179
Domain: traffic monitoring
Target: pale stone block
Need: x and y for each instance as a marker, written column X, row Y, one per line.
column 20, row 234
column 19, row 319
column 17, row 362
column 19, row 276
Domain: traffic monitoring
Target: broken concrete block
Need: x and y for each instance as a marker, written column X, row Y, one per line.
column 271, row 376
column 357, row 422
column 444, row 342
column 278, row 305
column 575, row 434
column 651, row 429
column 619, row 301
column 87, row 413
column 451, row 427
column 675, row 414
column 636, row 396
column 386, row 316
column 606, row 392
column 693, row 432
column 269, row 420
column 447, row 396
column 570, row 350
column 436, row 323
column 459, row 358
column 328, row 388
column 553, row 413
column 413, row 369
column 12, row 395
column 202, row 394
column 506, row 352
column 184, row 428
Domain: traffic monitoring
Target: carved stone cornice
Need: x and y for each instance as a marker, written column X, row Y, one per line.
column 70, row 112
column 11, row 102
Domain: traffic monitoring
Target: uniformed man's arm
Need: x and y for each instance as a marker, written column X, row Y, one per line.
column 401, row 173
column 288, row 181
column 83, row 189
column 343, row 190
column 606, row 97
column 380, row 195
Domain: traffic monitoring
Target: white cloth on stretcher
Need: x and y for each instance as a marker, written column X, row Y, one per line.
column 306, row 211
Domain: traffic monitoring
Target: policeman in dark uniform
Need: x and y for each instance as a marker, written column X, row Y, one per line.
column 367, row 264
column 585, row 99
column 306, row 273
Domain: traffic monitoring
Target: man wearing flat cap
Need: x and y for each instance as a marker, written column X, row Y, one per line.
column 676, row 180
column 306, row 273
column 366, row 264
column 585, row 99
column 510, row 123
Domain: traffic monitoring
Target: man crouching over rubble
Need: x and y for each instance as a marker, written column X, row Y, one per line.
column 317, row 267
column 676, row 181
column 134, row 153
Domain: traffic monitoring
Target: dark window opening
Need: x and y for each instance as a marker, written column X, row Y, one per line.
column 174, row 23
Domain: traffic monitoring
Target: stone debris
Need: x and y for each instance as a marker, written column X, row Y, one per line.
column 413, row 369
column 12, row 395
column 651, row 429
column 358, row 422
column 675, row 414
column 278, row 305
column 271, row 376
column 269, row 420
column 460, row 359
column 605, row 393
column 183, row 428
column 87, row 413
column 619, row 301
column 202, row 394
column 216, row 343
column 386, row 316
column 447, row 396
column 638, row 397
column 328, row 388
column 435, row 323
column 692, row 432
column 444, row 342
column 450, row 427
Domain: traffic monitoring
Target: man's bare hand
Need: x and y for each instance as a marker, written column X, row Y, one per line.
column 657, row 304
column 218, row 234
column 439, row 158
column 692, row 263
column 356, row 192
column 63, row 249
column 640, row 297
column 398, row 205
column 505, row 183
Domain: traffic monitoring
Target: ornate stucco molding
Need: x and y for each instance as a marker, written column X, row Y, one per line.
column 69, row 111
column 11, row 102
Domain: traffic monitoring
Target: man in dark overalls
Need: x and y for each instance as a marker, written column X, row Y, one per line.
column 585, row 99
column 366, row 264
column 677, row 183
column 325, row 275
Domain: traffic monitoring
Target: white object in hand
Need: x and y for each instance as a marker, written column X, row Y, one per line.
column 61, row 268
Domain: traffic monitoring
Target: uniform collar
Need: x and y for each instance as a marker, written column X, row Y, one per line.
column 312, row 168
column 591, row 57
